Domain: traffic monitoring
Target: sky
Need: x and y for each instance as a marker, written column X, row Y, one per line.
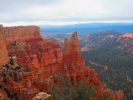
column 60, row 12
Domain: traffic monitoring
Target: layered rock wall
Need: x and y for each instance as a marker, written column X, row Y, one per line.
column 30, row 49
column 20, row 33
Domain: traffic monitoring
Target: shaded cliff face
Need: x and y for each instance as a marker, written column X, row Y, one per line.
column 3, row 49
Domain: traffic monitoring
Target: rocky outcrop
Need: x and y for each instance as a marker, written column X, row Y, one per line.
column 72, row 51
column 73, row 64
column 21, row 33
column 3, row 49
column 38, row 52
column 30, row 49
column 127, row 35
column 44, row 58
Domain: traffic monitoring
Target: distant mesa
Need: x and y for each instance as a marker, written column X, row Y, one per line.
column 127, row 35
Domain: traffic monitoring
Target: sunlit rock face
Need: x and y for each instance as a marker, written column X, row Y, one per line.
column 26, row 43
column 3, row 49
column 127, row 35
column 73, row 63
column 44, row 52
column 46, row 61
column 21, row 33
column 72, row 51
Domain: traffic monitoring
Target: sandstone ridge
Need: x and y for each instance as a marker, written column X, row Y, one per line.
column 30, row 49
column 45, row 61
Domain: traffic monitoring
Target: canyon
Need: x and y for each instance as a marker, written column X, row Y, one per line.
column 43, row 60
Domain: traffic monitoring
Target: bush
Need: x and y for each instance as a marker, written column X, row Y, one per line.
column 65, row 90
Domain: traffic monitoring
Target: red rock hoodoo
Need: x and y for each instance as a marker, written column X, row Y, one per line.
column 72, row 51
column 3, row 49
column 46, row 61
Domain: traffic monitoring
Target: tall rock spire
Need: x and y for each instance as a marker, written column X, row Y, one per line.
column 75, row 43
column 72, row 51
column 3, row 49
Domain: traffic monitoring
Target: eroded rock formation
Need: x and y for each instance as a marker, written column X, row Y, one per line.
column 44, row 58
column 72, row 51
column 30, row 49
column 3, row 49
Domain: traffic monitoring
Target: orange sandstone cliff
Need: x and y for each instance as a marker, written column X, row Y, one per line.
column 3, row 49
column 30, row 49
column 46, row 61
column 21, row 33
column 72, row 51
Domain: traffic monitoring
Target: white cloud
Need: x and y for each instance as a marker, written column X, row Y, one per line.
column 66, row 11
